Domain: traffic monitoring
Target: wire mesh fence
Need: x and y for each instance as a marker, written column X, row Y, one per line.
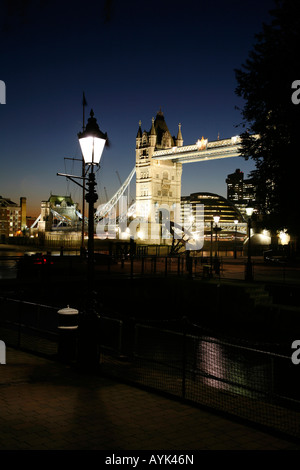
column 252, row 384
column 29, row 326
column 177, row 358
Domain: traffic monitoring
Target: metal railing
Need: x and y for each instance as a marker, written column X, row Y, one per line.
column 239, row 379
column 29, row 326
column 248, row 381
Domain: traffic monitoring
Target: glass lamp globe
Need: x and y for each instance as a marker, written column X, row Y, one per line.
column 92, row 141
column 249, row 210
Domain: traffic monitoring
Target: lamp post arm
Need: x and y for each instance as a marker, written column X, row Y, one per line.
column 71, row 177
column 71, row 158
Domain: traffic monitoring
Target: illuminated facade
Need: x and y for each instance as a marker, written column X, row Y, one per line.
column 58, row 213
column 239, row 190
column 231, row 219
column 12, row 217
column 157, row 182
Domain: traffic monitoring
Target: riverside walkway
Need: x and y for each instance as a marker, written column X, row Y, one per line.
column 46, row 405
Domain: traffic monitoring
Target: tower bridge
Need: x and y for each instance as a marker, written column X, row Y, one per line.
column 158, row 170
column 201, row 151
column 159, row 160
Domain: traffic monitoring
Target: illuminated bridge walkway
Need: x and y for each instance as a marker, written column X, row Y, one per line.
column 201, row 151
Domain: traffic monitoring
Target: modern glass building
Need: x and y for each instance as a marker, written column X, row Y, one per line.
column 239, row 190
column 231, row 221
column 214, row 204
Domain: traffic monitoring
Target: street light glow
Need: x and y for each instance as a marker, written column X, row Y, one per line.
column 92, row 149
column 92, row 141
column 284, row 237
column 249, row 211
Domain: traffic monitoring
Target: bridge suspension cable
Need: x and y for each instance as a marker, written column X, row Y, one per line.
column 61, row 218
column 36, row 222
column 106, row 208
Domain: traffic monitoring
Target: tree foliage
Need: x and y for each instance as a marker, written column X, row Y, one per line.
column 265, row 84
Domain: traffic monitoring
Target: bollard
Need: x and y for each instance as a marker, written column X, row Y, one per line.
column 67, row 341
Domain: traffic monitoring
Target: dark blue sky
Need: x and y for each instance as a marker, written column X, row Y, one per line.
column 131, row 59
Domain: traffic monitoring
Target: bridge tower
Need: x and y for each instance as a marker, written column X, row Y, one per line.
column 158, row 183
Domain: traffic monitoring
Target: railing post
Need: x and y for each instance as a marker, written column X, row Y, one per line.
column 272, row 380
column 143, row 261
column 131, row 267
column 38, row 317
column 19, row 324
column 184, row 358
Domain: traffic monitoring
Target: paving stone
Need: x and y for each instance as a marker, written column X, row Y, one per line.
column 62, row 409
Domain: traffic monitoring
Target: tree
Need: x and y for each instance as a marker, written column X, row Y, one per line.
column 267, row 82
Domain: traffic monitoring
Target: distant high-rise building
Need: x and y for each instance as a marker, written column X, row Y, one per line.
column 239, row 190
column 12, row 217
column 235, row 183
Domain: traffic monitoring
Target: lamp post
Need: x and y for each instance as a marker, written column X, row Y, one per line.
column 249, row 272
column 235, row 233
column 92, row 142
column 211, row 245
column 216, row 220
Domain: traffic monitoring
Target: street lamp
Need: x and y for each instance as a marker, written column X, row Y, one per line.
column 216, row 220
column 235, row 222
column 92, row 142
column 211, row 244
column 249, row 273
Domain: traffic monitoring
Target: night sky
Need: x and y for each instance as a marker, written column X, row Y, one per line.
column 131, row 59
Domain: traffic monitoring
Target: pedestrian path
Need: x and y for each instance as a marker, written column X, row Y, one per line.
column 46, row 405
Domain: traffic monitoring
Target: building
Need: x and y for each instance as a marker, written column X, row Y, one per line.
column 59, row 223
column 12, row 217
column 239, row 190
column 157, row 182
column 231, row 220
column 59, row 213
